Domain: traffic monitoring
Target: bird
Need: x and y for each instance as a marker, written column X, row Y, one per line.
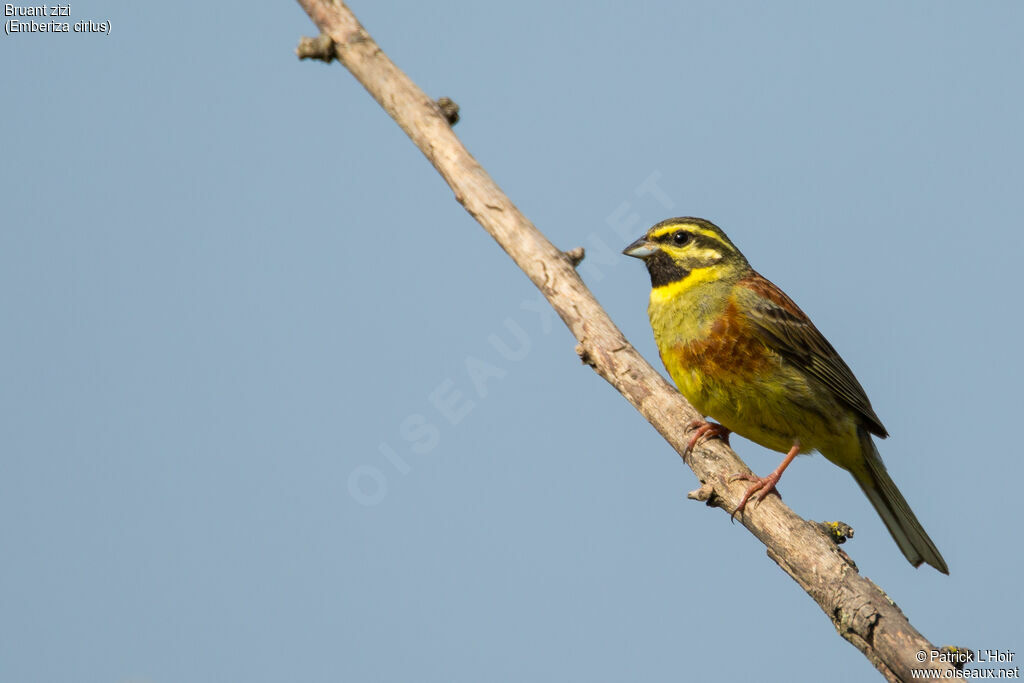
column 742, row 353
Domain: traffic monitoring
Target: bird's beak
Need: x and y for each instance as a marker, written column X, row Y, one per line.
column 640, row 249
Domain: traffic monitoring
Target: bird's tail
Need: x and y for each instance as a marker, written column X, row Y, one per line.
column 892, row 507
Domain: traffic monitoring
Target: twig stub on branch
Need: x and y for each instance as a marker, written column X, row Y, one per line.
column 321, row 47
column 575, row 255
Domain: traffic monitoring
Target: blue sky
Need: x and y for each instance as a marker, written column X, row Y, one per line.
column 274, row 407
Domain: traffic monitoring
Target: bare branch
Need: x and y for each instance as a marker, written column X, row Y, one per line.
column 861, row 612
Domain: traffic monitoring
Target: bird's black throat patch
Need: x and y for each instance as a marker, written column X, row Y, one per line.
column 664, row 270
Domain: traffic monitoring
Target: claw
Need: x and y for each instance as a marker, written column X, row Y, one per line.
column 764, row 485
column 704, row 430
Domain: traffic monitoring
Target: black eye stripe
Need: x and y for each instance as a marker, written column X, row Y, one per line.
column 678, row 237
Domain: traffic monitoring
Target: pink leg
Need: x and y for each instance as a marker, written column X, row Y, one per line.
column 765, row 485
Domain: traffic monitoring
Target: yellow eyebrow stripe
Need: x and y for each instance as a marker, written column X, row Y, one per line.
column 708, row 233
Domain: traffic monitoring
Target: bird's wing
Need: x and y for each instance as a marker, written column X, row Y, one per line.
column 785, row 328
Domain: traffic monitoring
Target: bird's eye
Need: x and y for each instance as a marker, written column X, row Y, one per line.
column 681, row 237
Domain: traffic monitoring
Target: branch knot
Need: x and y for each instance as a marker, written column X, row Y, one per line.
column 449, row 110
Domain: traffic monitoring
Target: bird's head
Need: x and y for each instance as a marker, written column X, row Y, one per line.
column 677, row 247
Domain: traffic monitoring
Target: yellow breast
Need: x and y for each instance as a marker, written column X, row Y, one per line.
column 730, row 375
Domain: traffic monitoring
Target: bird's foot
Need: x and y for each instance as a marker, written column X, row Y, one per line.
column 704, row 430
column 762, row 486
